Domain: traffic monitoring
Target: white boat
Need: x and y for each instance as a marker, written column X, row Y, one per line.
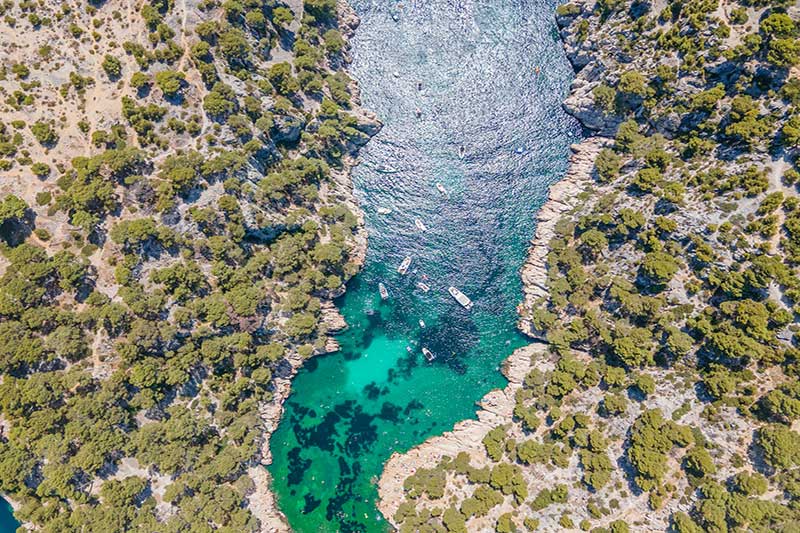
column 423, row 287
column 460, row 297
column 421, row 323
column 384, row 210
column 409, row 350
column 441, row 189
column 420, row 226
column 383, row 291
column 428, row 354
column 403, row 268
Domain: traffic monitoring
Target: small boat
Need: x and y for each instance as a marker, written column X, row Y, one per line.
column 460, row 297
column 383, row 291
column 423, row 287
column 403, row 268
column 418, row 112
column 428, row 354
column 420, row 226
column 520, row 150
column 461, row 151
column 396, row 74
column 384, row 210
column 409, row 350
column 421, row 323
column 419, row 85
column 441, row 189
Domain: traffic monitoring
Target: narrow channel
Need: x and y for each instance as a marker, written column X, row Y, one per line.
column 470, row 93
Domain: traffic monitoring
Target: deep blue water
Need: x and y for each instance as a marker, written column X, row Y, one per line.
column 7, row 522
column 492, row 75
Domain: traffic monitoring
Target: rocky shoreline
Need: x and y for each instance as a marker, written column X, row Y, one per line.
column 466, row 436
column 563, row 197
column 262, row 502
column 641, row 366
column 497, row 406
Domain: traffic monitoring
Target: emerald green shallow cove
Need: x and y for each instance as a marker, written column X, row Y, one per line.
column 490, row 79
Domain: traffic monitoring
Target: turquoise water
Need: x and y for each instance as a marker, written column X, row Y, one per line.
column 477, row 65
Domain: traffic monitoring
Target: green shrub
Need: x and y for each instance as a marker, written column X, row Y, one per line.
column 112, row 66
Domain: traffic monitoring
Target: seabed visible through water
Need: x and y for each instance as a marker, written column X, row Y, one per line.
column 485, row 76
column 477, row 63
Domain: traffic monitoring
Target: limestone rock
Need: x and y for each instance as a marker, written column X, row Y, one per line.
column 286, row 129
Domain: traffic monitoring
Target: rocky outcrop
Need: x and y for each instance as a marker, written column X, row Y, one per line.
column 263, row 504
column 467, row 436
column 563, row 197
column 497, row 406
column 286, row 129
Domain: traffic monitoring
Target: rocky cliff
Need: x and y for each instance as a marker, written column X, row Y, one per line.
column 657, row 399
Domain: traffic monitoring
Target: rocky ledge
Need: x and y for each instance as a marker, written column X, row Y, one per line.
column 497, row 406
column 467, row 435
column 563, row 197
column 262, row 502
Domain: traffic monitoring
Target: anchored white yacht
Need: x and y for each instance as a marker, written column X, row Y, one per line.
column 403, row 268
column 383, row 291
column 420, row 226
column 460, row 297
column 428, row 354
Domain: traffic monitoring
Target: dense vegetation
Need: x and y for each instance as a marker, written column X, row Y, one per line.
column 177, row 223
column 669, row 397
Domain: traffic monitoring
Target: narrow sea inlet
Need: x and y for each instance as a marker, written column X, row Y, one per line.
column 470, row 94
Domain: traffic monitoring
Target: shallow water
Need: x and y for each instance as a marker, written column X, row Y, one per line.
column 477, row 64
column 480, row 90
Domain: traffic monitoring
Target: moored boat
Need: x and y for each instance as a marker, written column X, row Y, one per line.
column 403, row 268
column 421, row 323
column 460, row 297
column 419, row 224
column 384, row 210
column 441, row 189
column 428, row 354
column 423, row 287
column 383, row 291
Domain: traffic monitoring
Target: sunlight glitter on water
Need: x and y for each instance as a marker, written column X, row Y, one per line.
column 476, row 62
